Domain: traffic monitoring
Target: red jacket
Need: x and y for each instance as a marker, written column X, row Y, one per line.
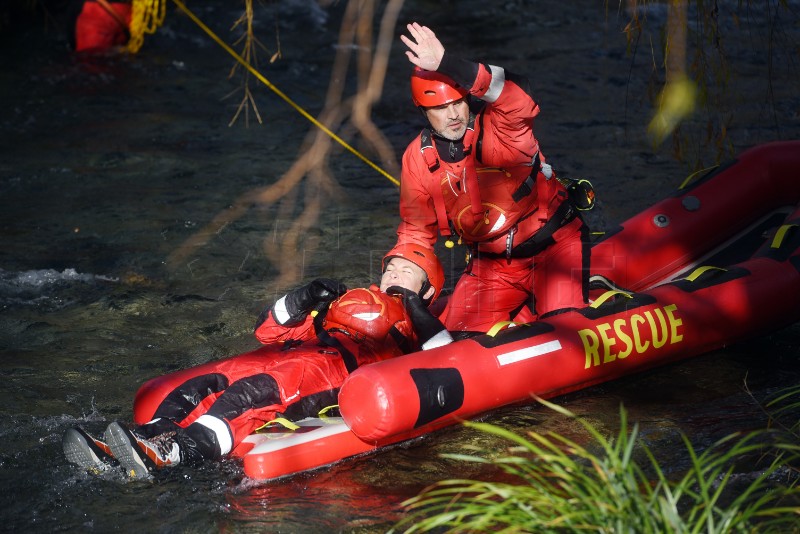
column 500, row 159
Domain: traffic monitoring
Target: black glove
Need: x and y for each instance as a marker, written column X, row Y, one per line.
column 425, row 324
column 300, row 301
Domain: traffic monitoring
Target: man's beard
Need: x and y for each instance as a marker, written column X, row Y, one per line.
column 450, row 135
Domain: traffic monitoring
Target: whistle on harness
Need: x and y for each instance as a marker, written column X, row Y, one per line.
column 510, row 241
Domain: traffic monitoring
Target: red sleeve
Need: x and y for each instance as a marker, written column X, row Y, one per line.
column 417, row 216
column 271, row 332
column 507, row 122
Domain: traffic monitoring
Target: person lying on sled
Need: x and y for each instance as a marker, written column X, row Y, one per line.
column 321, row 331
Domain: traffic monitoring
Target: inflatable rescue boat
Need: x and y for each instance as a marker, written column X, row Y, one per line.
column 713, row 264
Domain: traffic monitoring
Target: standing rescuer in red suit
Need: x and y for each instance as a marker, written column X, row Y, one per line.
column 321, row 331
column 478, row 172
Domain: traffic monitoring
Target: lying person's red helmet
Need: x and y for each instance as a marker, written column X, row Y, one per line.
column 369, row 316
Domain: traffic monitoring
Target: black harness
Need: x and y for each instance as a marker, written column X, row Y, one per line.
column 542, row 239
column 539, row 241
column 350, row 361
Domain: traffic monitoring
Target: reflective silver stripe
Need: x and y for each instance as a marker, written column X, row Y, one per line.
column 220, row 429
column 529, row 352
column 280, row 312
column 496, row 86
column 441, row 339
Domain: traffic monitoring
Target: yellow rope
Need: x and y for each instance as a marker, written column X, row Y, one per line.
column 282, row 421
column 499, row 326
column 700, row 271
column 323, row 413
column 689, row 179
column 607, row 295
column 258, row 75
column 146, row 17
column 781, row 235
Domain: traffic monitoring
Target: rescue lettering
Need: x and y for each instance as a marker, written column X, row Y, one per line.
column 622, row 337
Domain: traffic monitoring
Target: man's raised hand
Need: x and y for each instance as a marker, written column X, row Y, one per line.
column 424, row 49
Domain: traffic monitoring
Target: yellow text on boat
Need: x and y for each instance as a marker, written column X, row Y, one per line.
column 639, row 333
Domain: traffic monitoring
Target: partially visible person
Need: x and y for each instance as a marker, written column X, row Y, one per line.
column 477, row 171
column 322, row 332
column 99, row 25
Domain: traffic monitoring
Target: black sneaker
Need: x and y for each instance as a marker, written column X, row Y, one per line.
column 86, row 451
column 137, row 455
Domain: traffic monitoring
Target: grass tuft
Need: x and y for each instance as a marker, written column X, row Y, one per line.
column 561, row 486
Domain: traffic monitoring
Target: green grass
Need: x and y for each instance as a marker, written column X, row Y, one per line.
column 617, row 485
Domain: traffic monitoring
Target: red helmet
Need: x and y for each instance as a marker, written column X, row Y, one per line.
column 425, row 259
column 368, row 316
column 430, row 88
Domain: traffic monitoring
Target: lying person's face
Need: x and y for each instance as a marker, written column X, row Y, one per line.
column 403, row 273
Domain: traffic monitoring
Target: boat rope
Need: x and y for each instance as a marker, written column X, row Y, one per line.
column 700, row 271
column 323, row 413
column 282, row 421
column 149, row 14
column 146, row 17
column 780, row 235
column 289, row 425
column 689, row 179
column 500, row 325
column 599, row 301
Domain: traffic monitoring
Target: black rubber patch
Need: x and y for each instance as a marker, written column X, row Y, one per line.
column 441, row 391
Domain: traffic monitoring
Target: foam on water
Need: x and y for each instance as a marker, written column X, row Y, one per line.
column 40, row 278
column 47, row 287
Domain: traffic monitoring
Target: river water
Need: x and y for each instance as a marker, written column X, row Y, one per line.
column 110, row 165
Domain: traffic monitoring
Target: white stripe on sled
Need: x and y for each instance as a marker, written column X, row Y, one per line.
column 529, row 352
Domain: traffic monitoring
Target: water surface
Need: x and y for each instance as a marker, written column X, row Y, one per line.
column 109, row 165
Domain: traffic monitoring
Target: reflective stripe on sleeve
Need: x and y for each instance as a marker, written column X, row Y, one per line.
column 280, row 312
column 220, row 429
column 439, row 340
column 497, row 84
